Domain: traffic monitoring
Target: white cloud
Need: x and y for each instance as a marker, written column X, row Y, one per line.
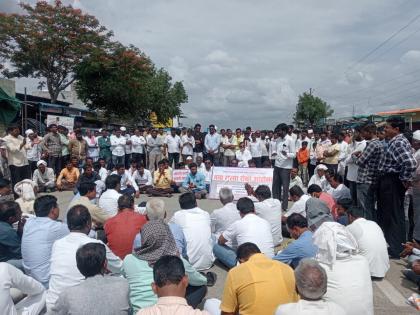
column 411, row 57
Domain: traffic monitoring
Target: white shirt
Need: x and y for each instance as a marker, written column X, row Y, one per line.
column 222, row 218
column 33, row 152
column 251, row 228
column 127, row 147
column 195, row 224
column 340, row 192
column 255, row 148
column 230, row 141
column 320, row 181
column 349, row 285
column 264, row 145
column 118, row 145
column 137, row 144
column 109, row 201
column 243, row 157
column 304, row 307
column 272, row 148
column 188, row 144
column 93, row 148
column 145, row 179
column 103, row 173
column 173, row 143
column 16, row 155
column 286, row 144
column 297, row 181
column 270, row 210
column 11, row 277
column 299, row 206
column 299, row 143
column 372, row 245
column 126, row 180
column 207, row 174
column 64, row 272
column 352, row 168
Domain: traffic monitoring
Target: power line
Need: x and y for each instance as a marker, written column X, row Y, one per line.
column 383, row 43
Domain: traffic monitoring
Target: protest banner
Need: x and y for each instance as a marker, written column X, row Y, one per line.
column 235, row 178
column 67, row 122
column 178, row 176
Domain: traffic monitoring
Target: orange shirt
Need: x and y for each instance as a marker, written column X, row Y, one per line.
column 303, row 156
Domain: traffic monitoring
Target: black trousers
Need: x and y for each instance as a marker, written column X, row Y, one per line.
column 195, row 295
column 139, row 158
column 391, row 217
column 55, row 163
column 173, row 157
column 311, row 170
column 281, row 181
column 257, row 161
column 18, row 173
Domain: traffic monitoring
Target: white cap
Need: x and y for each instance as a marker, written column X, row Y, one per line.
column 322, row 167
column 41, row 162
column 28, row 132
column 100, row 130
column 189, row 157
column 310, row 131
column 123, row 128
column 416, row 135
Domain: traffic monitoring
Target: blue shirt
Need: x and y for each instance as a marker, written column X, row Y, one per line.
column 9, row 243
column 212, row 142
column 178, row 235
column 39, row 235
column 303, row 247
column 199, row 180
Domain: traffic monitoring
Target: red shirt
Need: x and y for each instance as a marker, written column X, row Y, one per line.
column 121, row 230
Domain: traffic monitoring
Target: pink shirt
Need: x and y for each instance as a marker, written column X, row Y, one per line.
column 329, row 200
column 171, row 305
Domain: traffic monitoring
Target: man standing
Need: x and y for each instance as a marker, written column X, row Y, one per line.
column 357, row 145
column 65, row 155
column 396, row 168
column 255, row 147
column 104, row 143
column 332, row 153
column 16, row 155
column 367, row 175
column 78, row 148
column 212, row 144
column 137, row 147
column 154, row 143
column 229, row 145
column 173, row 146
column 33, row 148
column 118, row 148
column 199, row 142
column 127, row 146
column 285, row 154
column 52, row 146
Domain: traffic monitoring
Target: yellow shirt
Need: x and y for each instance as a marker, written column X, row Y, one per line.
column 238, row 141
column 258, row 286
column 330, row 149
column 163, row 181
column 70, row 176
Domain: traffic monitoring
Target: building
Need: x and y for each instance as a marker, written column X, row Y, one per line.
column 411, row 115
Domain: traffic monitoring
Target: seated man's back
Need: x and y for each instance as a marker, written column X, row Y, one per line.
column 258, row 285
column 195, row 224
column 39, row 235
column 98, row 293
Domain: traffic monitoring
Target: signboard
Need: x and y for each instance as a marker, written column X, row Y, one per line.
column 235, row 178
column 178, row 176
column 67, row 122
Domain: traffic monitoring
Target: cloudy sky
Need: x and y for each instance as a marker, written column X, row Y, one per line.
column 245, row 62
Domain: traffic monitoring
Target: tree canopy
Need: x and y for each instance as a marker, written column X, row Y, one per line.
column 48, row 42
column 123, row 81
column 310, row 109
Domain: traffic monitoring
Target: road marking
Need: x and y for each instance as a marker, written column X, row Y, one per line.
column 391, row 292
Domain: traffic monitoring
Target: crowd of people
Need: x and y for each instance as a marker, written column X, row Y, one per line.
column 340, row 206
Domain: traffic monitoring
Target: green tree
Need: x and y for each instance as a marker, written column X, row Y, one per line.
column 48, row 42
column 122, row 81
column 311, row 109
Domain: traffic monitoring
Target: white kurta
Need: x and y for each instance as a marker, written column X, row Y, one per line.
column 372, row 245
column 349, row 285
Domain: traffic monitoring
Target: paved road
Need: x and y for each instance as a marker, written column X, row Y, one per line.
column 389, row 294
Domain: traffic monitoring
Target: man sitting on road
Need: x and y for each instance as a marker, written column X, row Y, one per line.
column 128, row 184
column 162, row 180
column 250, row 228
column 222, row 218
column 311, row 284
column 302, row 247
column 68, row 177
column 194, row 182
column 109, row 199
column 44, row 177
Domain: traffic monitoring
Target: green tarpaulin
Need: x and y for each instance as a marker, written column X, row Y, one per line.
column 9, row 107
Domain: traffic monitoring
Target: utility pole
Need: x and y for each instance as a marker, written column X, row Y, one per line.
column 310, row 91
